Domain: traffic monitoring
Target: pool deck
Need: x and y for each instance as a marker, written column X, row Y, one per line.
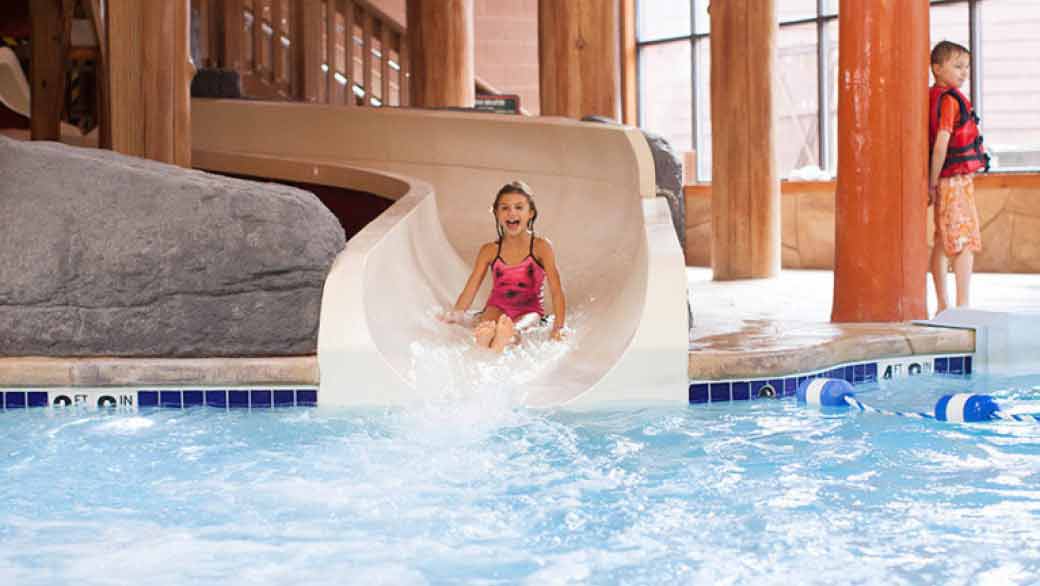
column 769, row 327
column 742, row 330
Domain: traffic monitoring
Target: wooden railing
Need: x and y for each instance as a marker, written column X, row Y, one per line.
column 324, row 51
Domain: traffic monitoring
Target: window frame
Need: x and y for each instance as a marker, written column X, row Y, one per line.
column 821, row 20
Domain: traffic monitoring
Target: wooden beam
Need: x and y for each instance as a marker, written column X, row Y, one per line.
column 47, row 69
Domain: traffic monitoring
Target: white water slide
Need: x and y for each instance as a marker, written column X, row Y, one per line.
column 620, row 261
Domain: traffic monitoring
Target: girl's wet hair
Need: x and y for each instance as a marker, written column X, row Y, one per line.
column 524, row 190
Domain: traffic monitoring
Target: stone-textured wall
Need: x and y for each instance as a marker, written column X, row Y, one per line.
column 107, row 255
column 1009, row 209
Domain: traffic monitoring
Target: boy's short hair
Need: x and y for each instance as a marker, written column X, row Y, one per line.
column 946, row 50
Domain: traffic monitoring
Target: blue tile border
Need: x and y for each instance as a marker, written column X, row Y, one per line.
column 724, row 391
column 165, row 398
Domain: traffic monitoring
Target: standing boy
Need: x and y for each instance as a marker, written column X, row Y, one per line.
column 957, row 153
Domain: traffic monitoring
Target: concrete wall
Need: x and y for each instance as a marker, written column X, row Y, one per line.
column 1009, row 209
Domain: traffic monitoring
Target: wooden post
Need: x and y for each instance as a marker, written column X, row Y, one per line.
column 440, row 36
column 307, row 50
column 101, row 84
column 629, row 89
column 745, row 200
column 880, row 207
column 578, row 58
column 182, row 71
column 149, row 78
column 47, row 69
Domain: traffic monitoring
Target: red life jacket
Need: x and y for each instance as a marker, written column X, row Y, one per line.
column 964, row 155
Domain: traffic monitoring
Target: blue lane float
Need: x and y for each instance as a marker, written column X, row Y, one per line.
column 958, row 408
column 824, row 392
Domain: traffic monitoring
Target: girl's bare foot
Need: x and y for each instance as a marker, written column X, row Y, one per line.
column 484, row 333
column 503, row 333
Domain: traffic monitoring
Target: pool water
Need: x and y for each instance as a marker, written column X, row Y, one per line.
column 477, row 490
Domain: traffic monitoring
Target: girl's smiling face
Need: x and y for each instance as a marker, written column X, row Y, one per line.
column 513, row 213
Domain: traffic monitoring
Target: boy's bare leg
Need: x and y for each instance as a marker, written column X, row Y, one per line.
column 962, row 267
column 504, row 331
column 938, row 267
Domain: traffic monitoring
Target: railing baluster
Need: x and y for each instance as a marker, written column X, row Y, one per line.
column 277, row 49
column 231, row 27
column 258, row 37
column 366, row 55
column 330, row 52
column 384, row 65
column 404, row 86
column 347, row 7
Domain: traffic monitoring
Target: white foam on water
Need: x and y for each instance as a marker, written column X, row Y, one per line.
column 125, row 425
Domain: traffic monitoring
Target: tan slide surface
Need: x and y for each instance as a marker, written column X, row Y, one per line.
column 379, row 342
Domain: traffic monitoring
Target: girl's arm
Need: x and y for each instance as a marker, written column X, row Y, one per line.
column 942, row 143
column 480, row 266
column 544, row 251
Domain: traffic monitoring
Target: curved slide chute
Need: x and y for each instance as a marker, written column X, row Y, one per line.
column 621, row 264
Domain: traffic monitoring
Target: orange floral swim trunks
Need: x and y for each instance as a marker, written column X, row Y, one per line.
column 956, row 218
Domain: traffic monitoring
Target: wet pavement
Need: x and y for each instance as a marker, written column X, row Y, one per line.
column 779, row 326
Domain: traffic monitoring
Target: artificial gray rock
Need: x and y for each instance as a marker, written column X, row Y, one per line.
column 668, row 175
column 107, row 255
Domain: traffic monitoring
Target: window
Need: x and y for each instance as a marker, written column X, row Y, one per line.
column 665, row 76
column 1010, row 90
column 674, row 49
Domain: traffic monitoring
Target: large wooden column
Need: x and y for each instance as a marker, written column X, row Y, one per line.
column 880, row 250
column 745, row 202
column 440, row 36
column 149, row 79
column 578, row 58
column 47, row 69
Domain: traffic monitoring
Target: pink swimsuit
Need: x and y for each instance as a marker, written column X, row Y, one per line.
column 517, row 289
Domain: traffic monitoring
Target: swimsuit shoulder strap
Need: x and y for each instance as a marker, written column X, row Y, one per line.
column 530, row 253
